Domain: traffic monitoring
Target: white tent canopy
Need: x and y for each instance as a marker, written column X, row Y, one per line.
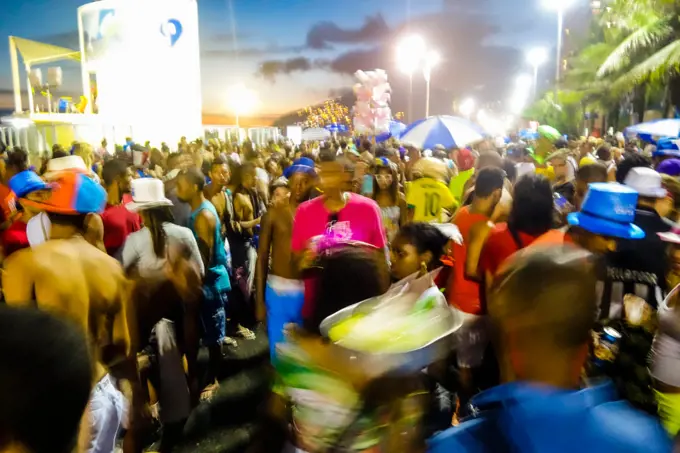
column 34, row 52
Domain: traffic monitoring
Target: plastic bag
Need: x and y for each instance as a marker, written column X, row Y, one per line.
column 409, row 316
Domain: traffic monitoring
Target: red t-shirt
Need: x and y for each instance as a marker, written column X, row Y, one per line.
column 499, row 246
column 118, row 224
column 463, row 293
column 15, row 238
column 8, row 207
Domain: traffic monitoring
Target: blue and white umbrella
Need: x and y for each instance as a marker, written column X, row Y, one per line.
column 651, row 131
column 396, row 128
column 448, row 131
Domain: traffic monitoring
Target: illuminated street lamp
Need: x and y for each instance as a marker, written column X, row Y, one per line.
column 241, row 101
column 467, row 107
column 522, row 88
column 523, row 83
column 431, row 60
column 517, row 104
column 536, row 57
column 409, row 54
column 560, row 6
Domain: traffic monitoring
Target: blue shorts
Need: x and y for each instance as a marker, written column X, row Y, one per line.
column 214, row 315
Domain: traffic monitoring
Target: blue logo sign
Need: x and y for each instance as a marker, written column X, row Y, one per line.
column 106, row 19
column 172, row 30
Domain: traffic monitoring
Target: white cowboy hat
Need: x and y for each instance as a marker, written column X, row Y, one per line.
column 65, row 163
column 147, row 193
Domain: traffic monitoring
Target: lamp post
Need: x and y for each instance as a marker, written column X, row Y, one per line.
column 241, row 101
column 521, row 94
column 431, row 60
column 560, row 6
column 467, row 107
column 536, row 57
column 409, row 53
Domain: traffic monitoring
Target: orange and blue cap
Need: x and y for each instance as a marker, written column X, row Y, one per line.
column 72, row 193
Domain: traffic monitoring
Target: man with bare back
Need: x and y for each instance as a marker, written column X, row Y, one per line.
column 204, row 222
column 279, row 292
column 69, row 277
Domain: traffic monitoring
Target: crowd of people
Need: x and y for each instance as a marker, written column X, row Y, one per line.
column 560, row 256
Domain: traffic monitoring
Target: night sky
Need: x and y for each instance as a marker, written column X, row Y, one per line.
column 297, row 52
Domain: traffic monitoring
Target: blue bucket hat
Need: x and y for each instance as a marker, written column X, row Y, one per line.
column 667, row 147
column 26, row 182
column 608, row 210
column 301, row 165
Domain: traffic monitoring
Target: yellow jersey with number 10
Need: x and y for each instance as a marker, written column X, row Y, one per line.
column 428, row 197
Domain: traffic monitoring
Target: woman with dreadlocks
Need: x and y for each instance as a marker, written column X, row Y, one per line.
column 165, row 264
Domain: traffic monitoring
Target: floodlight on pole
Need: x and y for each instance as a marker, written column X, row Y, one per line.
column 523, row 83
column 560, row 6
column 536, row 58
column 431, row 60
column 409, row 52
column 467, row 107
column 241, row 101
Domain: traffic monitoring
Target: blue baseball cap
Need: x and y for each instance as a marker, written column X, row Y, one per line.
column 26, row 182
column 72, row 193
column 301, row 165
column 609, row 210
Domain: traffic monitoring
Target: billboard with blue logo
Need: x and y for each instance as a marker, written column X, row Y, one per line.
column 145, row 57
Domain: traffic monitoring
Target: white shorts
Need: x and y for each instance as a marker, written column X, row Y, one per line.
column 471, row 340
column 107, row 412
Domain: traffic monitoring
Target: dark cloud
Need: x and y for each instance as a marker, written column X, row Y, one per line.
column 351, row 62
column 339, row 92
column 270, row 69
column 323, row 34
column 457, row 38
column 69, row 39
column 319, row 37
column 468, row 67
column 346, row 63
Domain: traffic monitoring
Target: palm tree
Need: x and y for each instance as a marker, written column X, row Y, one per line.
column 649, row 55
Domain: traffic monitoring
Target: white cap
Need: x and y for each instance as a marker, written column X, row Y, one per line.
column 646, row 182
column 147, row 193
column 66, row 163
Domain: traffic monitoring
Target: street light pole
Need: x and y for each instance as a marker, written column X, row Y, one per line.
column 410, row 97
column 535, row 81
column 427, row 96
column 409, row 55
column 536, row 57
column 238, row 129
column 558, row 65
column 431, row 60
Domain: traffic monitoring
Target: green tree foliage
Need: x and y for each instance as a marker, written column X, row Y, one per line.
column 631, row 57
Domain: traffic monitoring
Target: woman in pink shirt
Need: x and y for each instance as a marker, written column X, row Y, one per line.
column 335, row 215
